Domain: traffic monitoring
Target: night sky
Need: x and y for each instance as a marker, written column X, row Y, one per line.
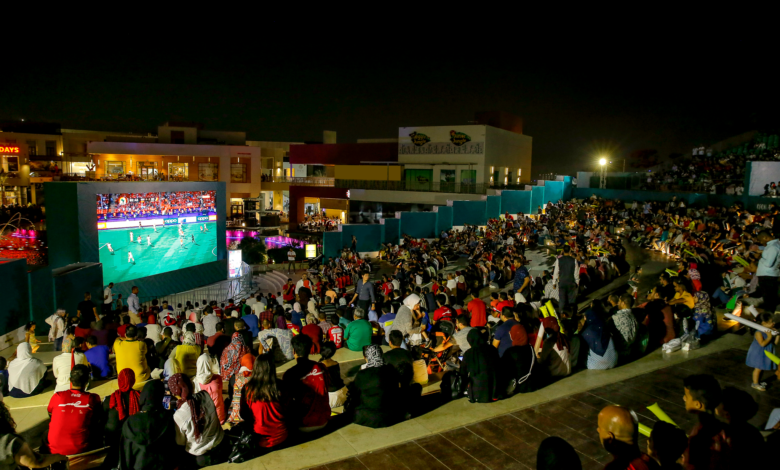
column 573, row 115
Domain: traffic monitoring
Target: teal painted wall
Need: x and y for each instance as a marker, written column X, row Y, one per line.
column 443, row 219
column 419, row 224
column 515, row 201
column 369, row 236
column 553, row 191
column 331, row 245
column 537, row 198
column 493, row 207
column 15, row 307
column 568, row 187
column 469, row 212
column 392, row 231
column 691, row 199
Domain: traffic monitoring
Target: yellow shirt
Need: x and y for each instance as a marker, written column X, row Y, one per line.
column 186, row 357
column 688, row 298
column 132, row 355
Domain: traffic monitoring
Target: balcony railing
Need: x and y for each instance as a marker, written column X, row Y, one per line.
column 427, row 186
column 305, row 180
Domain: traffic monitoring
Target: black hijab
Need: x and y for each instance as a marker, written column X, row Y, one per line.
column 148, row 436
column 480, row 369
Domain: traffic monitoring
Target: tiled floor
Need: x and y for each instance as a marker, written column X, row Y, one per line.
column 510, row 441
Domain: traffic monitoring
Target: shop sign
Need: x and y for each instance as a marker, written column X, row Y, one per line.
column 419, row 139
column 459, row 138
column 9, row 149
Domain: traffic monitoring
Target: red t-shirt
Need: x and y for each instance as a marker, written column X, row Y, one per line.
column 336, row 334
column 309, row 382
column 268, row 422
column 72, row 413
column 121, row 330
column 477, row 309
column 504, row 303
column 288, row 292
column 315, row 333
column 296, row 330
column 442, row 313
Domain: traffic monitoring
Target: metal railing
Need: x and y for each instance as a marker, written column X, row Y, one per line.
column 236, row 289
column 427, row 186
column 639, row 182
column 305, row 180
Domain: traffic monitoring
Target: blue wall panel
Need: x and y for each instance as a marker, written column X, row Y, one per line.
column 392, row 232
column 515, row 202
column 369, row 236
column 444, row 218
column 15, row 307
column 537, row 198
column 553, row 191
column 331, row 245
column 493, row 207
column 469, row 212
column 419, row 224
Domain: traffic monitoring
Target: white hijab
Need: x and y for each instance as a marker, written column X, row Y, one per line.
column 26, row 371
column 411, row 301
column 205, row 370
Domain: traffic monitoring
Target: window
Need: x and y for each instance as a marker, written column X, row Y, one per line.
column 178, row 171
column 208, row 172
column 177, row 137
column 51, row 148
column 115, row 169
column 32, row 148
column 238, row 173
column 9, row 164
column 147, row 170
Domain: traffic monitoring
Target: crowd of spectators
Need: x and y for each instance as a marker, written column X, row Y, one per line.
column 31, row 212
column 716, row 172
column 489, row 329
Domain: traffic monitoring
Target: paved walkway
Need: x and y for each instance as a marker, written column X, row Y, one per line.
column 510, row 441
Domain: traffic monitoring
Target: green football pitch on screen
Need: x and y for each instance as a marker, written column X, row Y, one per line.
column 168, row 251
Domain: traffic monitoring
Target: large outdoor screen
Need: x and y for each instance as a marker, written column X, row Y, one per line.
column 143, row 234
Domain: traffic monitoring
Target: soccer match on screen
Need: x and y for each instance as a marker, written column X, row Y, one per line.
column 142, row 234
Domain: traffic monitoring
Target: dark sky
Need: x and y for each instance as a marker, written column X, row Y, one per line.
column 573, row 113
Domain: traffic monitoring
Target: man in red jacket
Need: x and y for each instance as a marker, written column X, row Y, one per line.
column 478, row 311
column 308, row 382
column 75, row 417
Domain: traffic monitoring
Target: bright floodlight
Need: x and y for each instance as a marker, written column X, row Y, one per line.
column 603, row 161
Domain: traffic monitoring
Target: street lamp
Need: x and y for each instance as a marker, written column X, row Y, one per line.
column 603, row 179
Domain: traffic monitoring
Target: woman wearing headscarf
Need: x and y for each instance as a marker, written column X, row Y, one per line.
column 231, row 357
column 601, row 349
column 520, row 370
column 374, row 396
column 479, row 369
column 554, row 353
column 148, row 437
column 119, row 406
column 208, row 379
column 153, row 330
column 196, row 424
column 25, row 373
column 242, row 377
column 185, row 356
column 261, row 403
column 404, row 320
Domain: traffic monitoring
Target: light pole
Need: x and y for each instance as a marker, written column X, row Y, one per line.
column 603, row 180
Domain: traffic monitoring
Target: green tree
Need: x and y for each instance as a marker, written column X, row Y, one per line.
column 253, row 250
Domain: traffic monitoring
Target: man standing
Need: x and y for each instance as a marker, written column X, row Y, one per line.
column 768, row 270
column 566, row 277
column 364, row 292
column 288, row 291
column 133, row 304
column 87, row 308
column 108, row 298
column 290, row 260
